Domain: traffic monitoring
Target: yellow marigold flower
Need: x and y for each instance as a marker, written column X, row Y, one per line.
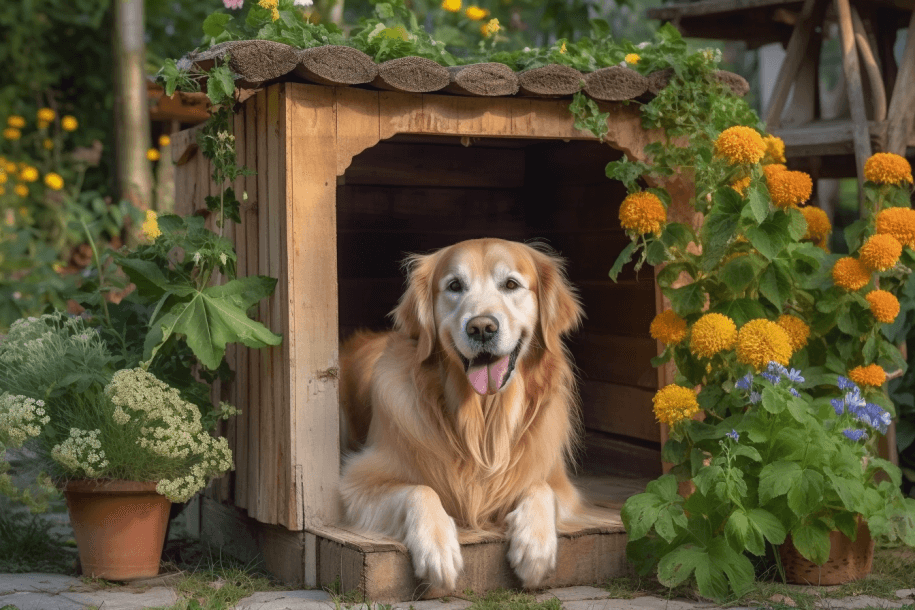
column 775, row 149
column 887, row 168
column 643, row 213
column 562, row 49
column 28, row 174
column 164, row 141
column 740, row 145
column 884, row 305
column 850, row 274
column 53, row 181
column 674, row 403
column 818, row 225
column 274, row 14
column 3, row 177
column 667, row 327
column 46, row 114
column 741, row 185
column 11, row 133
column 760, row 342
column 11, row 168
column 773, row 168
column 797, row 330
column 48, row 143
column 712, row 333
column 151, row 225
column 21, row 190
column 152, row 154
column 15, row 121
column 2, row 190
column 871, row 375
column 452, row 6
column 789, row 189
column 632, row 58
column 490, row 28
column 898, row 222
column 475, row 13
column 880, row 252
column 69, row 123
column 268, row 4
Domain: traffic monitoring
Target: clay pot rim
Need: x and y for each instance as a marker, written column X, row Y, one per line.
column 111, row 486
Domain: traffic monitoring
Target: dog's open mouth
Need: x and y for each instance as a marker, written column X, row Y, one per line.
column 487, row 373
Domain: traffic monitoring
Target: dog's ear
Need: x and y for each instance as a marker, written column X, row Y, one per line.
column 414, row 313
column 560, row 309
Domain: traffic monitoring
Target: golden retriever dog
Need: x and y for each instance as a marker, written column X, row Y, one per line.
column 464, row 416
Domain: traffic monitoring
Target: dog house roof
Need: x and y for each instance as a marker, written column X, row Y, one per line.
column 261, row 62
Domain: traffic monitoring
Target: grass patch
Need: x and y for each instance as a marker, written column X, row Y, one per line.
column 28, row 545
column 503, row 599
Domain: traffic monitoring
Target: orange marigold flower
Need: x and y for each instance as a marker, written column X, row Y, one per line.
column 46, row 115
column 887, row 168
column 898, row 222
column 880, row 252
column 712, row 333
column 475, row 13
column 674, row 403
column 740, row 145
column 760, row 342
column 773, row 168
column 153, row 155
column 741, row 185
column 797, row 330
column 871, row 375
column 775, row 149
column 789, row 189
column 884, row 305
column 643, row 213
column 668, row 327
column 850, row 274
column 818, row 225
column 632, row 58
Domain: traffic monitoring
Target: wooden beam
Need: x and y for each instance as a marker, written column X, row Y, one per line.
column 871, row 67
column 900, row 115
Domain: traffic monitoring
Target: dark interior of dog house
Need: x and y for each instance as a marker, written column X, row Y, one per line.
column 415, row 194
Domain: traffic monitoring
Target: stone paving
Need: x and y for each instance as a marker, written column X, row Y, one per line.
column 55, row 592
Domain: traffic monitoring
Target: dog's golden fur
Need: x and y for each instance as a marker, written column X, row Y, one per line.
column 431, row 453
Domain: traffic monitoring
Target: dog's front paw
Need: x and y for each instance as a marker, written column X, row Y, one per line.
column 431, row 537
column 532, row 534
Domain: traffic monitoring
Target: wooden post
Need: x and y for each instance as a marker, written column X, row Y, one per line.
column 900, row 114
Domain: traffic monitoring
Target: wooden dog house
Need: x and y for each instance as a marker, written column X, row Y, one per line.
column 350, row 179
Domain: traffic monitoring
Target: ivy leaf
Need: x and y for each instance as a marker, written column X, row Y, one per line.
column 812, row 541
column 624, row 257
column 777, row 478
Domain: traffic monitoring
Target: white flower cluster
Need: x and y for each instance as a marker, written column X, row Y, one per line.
column 217, row 460
column 120, row 416
column 81, row 453
column 21, row 418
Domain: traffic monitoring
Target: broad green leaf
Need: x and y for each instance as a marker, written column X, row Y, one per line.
column 677, row 234
column 624, row 257
column 812, row 541
column 146, row 275
column 746, row 451
column 853, row 233
column 734, row 564
column 737, row 529
column 656, row 253
column 771, row 236
column 671, row 522
column 639, row 514
column 686, row 299
column 679, row 564
column 741, row 310
column 775, row 285
column 772, row 401
column 758, row 199
column 215, row 24
column 767, row 524
column 806, row 495
column 776, row 479
column 738, row 273
column 664, row 487
column 711, row 580
column 797, row 224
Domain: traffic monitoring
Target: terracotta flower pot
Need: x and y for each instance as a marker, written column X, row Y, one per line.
column 847, row 561
column 119, row 527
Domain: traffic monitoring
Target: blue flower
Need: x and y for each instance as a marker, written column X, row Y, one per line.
column 772, row 377
column 755, row 397
column 775, row 367
column 745, row 382
column 875, row 417
column 854, row 435
column 846, row 384
column 795, row 376
column 795, row 393
column 854, row 401
column 839, row 405
column 733, row 434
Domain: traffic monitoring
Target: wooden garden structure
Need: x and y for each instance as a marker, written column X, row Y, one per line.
column 348, row 180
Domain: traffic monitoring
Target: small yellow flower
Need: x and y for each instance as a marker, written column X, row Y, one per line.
column 268, row 4
column 475, row 13
column 48, row 143
column 152, row 154
column 3, row 177
column 563, row 49
column 490, row 28
column 21, row 190
column 53, row 181
column 880, row 252
column 274, row 14
column 797, row 330
column 712, row 333
column 452, row 6
column 740, row 145
column 643, row 213
column 789, row 189
column 775, row 149
column 760, row 342
column 151, row 225
column 674, row 403
column 46, row 114
column 818, row 225
column 28, row 174
column 15, row 121
column 667, row 327
column 884, row 305
column 898, row 222
column 11, row 168
column 164, row 141
column 850, row 274
column 741, row 185
column 871, row 375
column 69, row 123
column 11, row 133
column 632, row 58
column 887, row 168
column 2, row 190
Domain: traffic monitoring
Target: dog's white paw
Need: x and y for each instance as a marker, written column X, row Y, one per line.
column 532, row 534
column 431, row 537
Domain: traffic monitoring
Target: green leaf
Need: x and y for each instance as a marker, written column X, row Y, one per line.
column 777, row 478
column 771, row 236
column 737, row 529
column 734, row 564
column 670, row 522
column 738, row 273
column 758, row 200
column 624, row 257
column 679, row 564
column 147, row 275
column 656, row 253
column 686, row 299
column 639, row 514
column 812, row 541
column 853, row 234
column 797, row 225
column 775, row 285
column 677, row 234
column 711, row 579
column 767, row 524
column 741, row 310
column 773, row 401
column 665, row 487
column 215, row 24
column 806, row 495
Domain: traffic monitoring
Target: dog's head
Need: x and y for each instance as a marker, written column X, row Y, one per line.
column 487, row 303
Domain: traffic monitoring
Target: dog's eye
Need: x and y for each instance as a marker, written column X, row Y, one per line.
column 511, row 285
column 454, row 286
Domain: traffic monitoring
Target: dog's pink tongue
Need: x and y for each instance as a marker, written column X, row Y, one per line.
column 488, row 379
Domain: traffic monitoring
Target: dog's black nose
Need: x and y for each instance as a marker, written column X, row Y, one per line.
column 482, row 328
